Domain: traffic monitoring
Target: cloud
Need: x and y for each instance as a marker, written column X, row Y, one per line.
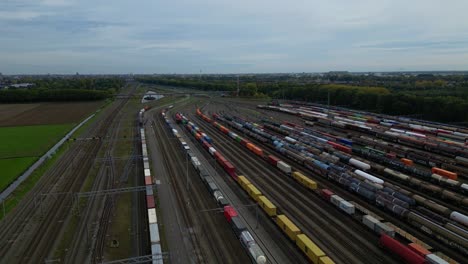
column 221, row 36
column 20, row 15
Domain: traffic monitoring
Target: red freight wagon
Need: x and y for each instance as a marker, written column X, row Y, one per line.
column 401, row 250
column 148, row 181
column 326, row 194
column 229, row 212
column 150, row 201
column 273, row 160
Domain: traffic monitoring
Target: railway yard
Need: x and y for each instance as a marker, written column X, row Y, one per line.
column 206, row 179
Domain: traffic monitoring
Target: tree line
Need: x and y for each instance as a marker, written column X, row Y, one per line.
column 46, row 89
column 430, row 98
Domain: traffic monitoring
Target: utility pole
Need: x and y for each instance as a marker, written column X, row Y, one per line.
column 238, row 86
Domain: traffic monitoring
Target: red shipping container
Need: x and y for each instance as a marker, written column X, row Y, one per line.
column 326, row 194
column 419, row 249
column 273, row 160
column 206, row 145
column 150, row 201
column 229, row 212
column 401, row 250
column 229, row 168
column 224, row 130
column 148, row 181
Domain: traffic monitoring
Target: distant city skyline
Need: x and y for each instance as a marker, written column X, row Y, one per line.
column 105, row 37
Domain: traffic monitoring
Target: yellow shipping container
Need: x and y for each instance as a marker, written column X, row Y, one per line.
column 297, row 175
column 309, row 183
column 288, row 226
column 243, row 181
column 253, row 191
column 267, row 206
column 304, row 180
column 312, row 251
column 326, row 260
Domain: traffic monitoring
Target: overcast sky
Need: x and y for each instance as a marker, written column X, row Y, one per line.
column 216, row 36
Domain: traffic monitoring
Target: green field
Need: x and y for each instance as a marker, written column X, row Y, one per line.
column 21, row 146
column 29, row 141
column 12, row 168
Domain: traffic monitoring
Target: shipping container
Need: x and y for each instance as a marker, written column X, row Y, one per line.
column 148, row 181
column 434, row 259
column 284, row 167
column 267, row 206
column 326, row 260
column 150, row 201
column 253, row 191
column 152, row 216
column 381, row 228
column 312, row 251
column 273, row 160
column 308, row 183
column 347, row 207
column 229, row 212
column 288, row 226
column 326, row 194
column 243, row 181
column 370, row 221
column 407, row 161
column 147, row 173
column 154, row 233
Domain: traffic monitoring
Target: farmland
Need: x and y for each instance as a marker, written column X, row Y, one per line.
column 27, row 131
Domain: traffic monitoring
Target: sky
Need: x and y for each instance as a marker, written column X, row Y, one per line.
column 241, row 36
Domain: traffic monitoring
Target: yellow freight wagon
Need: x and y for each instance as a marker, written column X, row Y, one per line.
column 304, row 180
column 253, row 191
column 288, row 226
column 326, row 260
column 267, row 206
column 242, row 180
column 313, row 252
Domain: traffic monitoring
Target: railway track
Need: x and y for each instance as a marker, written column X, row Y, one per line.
column 344, row 240
column 219, row 243
column 437, row 245
column 19, row 239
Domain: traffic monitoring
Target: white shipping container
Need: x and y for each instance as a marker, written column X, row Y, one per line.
column 147, row 173
column 336, row 200
column 212, row 151
column 290, row 140
column 434, row 259
column 369, row 221
column 152, row 218
column 359, row 164
column 146, row 165
column 154, row 233
column 195, row 162
column 174, row 131
column 283, row 166
column 383, row 228
column 464, row 186
column 347, row 207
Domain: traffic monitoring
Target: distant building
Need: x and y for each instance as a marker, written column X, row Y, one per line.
column 21, row 85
